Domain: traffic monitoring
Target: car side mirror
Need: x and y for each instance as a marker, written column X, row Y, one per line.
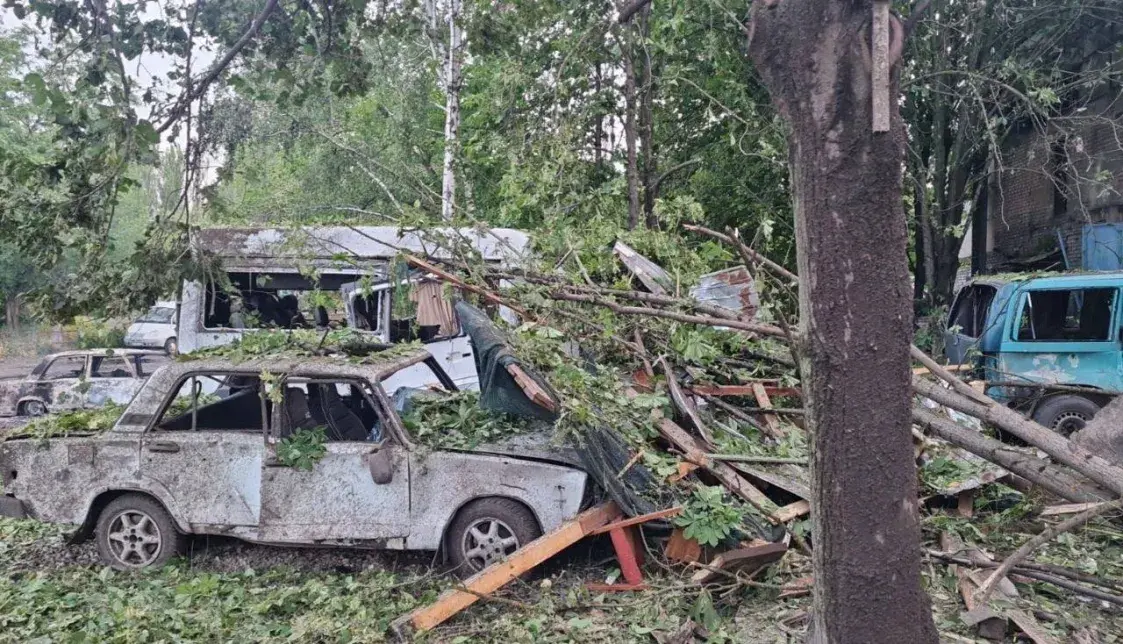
column 380, row 462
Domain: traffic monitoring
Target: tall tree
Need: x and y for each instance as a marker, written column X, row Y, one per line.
column 855, row 313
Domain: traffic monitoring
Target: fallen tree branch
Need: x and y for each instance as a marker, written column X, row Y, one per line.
column 741, row 248
column 752, row 327
column 741, row 458
column 1031, row 468
column 1041, row 572
column 1028, row 547
column 1064, row 451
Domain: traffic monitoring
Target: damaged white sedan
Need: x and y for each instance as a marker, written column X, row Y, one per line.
column 182, row 462
column 79, row 379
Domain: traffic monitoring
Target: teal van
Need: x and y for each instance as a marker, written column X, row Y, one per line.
column 1023, row 330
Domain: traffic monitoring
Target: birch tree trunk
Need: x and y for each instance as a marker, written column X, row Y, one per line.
column 453, row 80
column 856, row 316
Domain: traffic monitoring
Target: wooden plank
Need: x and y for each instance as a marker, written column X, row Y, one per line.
column 1068, row 508
column 746, row 560
column 499, row 574
column 531, row 388
column 643, row 518
column 725, row 474
column 880, row 68
column 417, row 262
column 775, row 477
column 770, row 420
column 650, row 274
column 1029, row 625
column 679, row 548
column 684, row 404
column 792, row 511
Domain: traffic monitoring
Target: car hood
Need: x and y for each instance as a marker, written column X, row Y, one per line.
column 537, row 445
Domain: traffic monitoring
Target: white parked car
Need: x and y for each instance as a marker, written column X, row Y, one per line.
column 156, row 328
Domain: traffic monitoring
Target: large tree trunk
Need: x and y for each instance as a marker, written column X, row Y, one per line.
column 452, row 109
column 855, row 316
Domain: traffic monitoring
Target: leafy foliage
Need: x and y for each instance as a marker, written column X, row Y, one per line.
column 303, row 449
column 82, row 422
column 708, row 517
column 456, row 421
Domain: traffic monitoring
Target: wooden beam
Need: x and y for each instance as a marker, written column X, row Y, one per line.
column 743, row 560
column 765, row 402
column 643, row 518
column 531, row 388
column 497, row 575
column 743, row 390
column 417, row 262
column 792, row 511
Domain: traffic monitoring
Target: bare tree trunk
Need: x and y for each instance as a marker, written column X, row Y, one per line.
column 452, row 109
column 647, row 123
column 631, row 169
column 856, row 317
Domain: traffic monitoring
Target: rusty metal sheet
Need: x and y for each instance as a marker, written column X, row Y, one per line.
column 733, row 289
column 650, row 274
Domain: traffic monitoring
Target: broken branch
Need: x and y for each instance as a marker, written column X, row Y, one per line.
column 1028, row 547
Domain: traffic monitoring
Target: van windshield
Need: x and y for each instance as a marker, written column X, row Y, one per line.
column 969, row 313
column 158, row 315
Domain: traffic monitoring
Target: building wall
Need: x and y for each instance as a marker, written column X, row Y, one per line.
column 1058, row 180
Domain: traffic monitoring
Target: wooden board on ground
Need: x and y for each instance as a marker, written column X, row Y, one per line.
column 650, row 274
column 679, row 548
column 793, row 479
column 497, row 575
column 792, row 511
column 1068, row 508
column 744, row 560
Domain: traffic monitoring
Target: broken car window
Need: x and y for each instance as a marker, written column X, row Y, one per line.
column 146, row 365
column 109, row 367
column 216, row 402
column 1067, row 315
column 66, row 367
column 339, row 406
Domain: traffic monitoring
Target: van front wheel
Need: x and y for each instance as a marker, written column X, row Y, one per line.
column 1065, row 414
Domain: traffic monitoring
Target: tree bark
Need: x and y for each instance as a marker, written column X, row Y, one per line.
column 855, row 316
column 631, row 169
column 452, row 109
column 647, row 122
column 1058, row 447
column 1035, row 470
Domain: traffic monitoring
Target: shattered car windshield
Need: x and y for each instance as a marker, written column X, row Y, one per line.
column 158, row 315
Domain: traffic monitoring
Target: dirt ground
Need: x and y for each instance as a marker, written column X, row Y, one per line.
column 17, row 367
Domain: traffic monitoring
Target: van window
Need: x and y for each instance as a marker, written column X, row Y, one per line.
column 969, row 313
column 276, row 301
column 1067, row 315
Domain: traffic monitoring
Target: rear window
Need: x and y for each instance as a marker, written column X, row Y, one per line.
column 1067, row 315
column 969, row 313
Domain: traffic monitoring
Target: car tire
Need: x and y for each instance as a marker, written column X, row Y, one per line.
column 134, row 531
column 487, row 531
column 32, row 408
column 1065, row 414
column 171, row 346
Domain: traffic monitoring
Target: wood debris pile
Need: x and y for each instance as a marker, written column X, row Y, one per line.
column 732, row 417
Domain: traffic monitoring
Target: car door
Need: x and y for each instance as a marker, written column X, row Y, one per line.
column 357, row 491
column 1065, row 336
column 113, row 379
column 206, row 452
column 456, row 357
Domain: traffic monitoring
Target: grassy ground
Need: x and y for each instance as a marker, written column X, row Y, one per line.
column 51, row 592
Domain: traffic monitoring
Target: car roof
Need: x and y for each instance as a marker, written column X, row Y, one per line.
column 105, row 352
column 375, row 366
column 1052, row 280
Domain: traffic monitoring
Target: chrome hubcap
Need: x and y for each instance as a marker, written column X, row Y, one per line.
column 488, row 541
column 134, row 539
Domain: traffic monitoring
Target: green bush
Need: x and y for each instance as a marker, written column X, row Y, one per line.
column 93, row 333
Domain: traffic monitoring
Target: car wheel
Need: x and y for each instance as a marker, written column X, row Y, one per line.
column 33, row 408
column 171, row 347
column 134, row 531
column 1065, row 414
column 487, row 531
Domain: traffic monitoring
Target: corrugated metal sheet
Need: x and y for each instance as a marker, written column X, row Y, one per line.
column 733, row 289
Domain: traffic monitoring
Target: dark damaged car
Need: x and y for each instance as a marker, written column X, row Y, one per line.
column 181, row 462
column 79, row 379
